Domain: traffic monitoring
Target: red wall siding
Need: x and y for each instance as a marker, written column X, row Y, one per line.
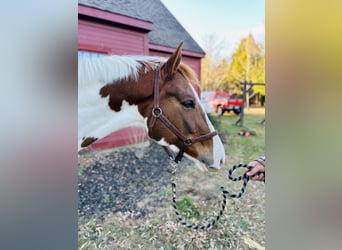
column 119, row 41
column 194, row 63
column 122, row 137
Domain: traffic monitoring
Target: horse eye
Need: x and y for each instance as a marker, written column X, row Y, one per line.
column 189, row 104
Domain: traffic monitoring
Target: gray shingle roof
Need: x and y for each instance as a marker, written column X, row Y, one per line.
column 167, row 31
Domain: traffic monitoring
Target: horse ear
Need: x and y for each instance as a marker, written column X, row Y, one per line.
column 172, row 64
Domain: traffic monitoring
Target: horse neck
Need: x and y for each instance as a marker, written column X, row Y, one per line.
column 115, row 108
column 129, row 90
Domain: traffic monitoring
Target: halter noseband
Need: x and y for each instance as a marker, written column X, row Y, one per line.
column 157, row 113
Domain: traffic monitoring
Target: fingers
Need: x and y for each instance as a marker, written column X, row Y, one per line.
column 253, row 171
column 259, row 177
column 257, row 168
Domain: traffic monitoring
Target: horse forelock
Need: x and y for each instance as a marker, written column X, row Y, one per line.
column 109, row 69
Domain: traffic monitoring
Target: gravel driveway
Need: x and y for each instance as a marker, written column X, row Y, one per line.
column 118, row 180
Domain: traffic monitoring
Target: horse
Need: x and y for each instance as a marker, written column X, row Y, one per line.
column 152, row 92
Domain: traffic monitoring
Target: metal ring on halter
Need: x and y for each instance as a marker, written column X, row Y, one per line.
column 187, row 142
column 158, row 110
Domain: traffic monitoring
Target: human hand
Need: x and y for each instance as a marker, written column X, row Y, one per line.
column 257, row 167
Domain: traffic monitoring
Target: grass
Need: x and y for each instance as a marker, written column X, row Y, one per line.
column 198, row 197
column 186, row 206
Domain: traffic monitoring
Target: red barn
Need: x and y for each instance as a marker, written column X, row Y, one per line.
column 136, row 27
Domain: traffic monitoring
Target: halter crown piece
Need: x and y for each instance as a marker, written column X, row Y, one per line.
column 157, row 114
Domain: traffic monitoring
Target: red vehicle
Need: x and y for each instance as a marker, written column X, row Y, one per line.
column 222, row 101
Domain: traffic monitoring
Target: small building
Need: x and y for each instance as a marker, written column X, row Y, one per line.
column 132, row 27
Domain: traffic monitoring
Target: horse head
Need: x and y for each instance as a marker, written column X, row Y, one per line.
column 182, row 108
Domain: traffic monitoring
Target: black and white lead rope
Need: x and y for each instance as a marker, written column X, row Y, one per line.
column 225, row 193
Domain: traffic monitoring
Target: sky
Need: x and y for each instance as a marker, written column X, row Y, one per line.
column 228, row 20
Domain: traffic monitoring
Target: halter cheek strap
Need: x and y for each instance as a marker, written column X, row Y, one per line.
column 157, row 114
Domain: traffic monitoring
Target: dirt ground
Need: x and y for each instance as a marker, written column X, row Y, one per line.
column 126, row 194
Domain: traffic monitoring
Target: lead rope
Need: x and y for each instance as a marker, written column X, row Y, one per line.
column 225, row 193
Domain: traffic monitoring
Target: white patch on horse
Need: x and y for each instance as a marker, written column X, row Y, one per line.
column 163, row 142
column 218, row 149
column 96, row 119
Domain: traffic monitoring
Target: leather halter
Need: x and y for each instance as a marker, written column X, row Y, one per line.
column 157, row 113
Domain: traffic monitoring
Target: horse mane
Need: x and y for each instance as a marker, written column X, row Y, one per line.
column 112, row 68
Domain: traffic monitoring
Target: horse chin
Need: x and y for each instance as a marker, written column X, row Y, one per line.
column 202, row 166
column 212, row 169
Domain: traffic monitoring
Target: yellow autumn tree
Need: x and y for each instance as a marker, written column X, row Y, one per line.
column 248, row 64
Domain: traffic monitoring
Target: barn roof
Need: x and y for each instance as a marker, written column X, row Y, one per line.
column 167, row 31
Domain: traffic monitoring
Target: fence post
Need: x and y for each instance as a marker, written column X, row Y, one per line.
column 240, row 121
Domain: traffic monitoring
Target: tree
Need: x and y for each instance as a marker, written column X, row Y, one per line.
column 258, row 76
column 248, row 64
column 213, row 71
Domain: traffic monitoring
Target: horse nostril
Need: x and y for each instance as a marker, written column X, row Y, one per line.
column 221, row 162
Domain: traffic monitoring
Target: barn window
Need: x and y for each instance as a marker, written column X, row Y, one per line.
column 90, row 52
